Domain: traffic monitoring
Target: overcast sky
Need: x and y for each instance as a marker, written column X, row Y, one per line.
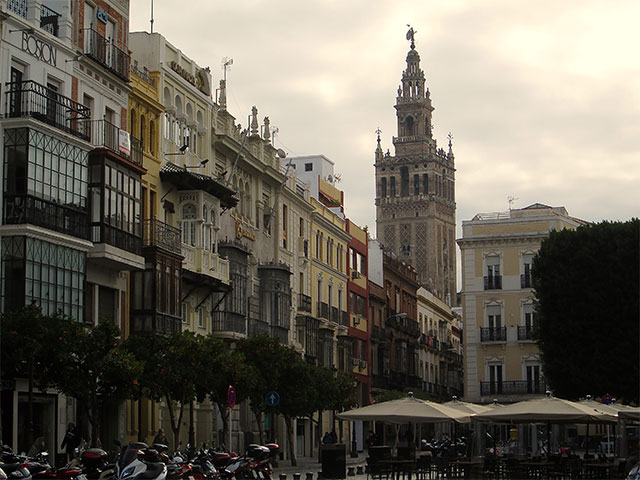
column 542, row 98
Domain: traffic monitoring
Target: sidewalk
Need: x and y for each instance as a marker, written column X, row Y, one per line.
column 311, row 465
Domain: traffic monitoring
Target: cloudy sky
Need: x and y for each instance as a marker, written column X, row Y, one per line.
column 542, row 98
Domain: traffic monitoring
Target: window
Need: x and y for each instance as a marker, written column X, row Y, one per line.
column 404, row 181
column 184, row 313
column 525, row 276
column 425, row 183
column 495, row 379
column 188, row 224
column 285, row 221
column 533, row 379
column 493, row 279
column 494, row 316
column 201, row 317
column 383, row 187
column 416, row 184
column 308, row 167
column 392, row 186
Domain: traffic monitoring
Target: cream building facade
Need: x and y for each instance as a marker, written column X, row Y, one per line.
column 501, row 359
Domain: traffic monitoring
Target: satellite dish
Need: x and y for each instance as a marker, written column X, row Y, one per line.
column 281, row 153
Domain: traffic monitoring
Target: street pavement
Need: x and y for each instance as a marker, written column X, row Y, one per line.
column 311, row 465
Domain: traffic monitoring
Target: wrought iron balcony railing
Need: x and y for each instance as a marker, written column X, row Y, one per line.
column 518, row 387
column 103, row 134
column 49, row 20
column 162, row 235
column 31, row 99
column 19, row 209
column 103, row 233
column 304, row 303
column 258, row 327
column 525, row 333
column 323, row 310
column 106, row 53
column 344, row 318
column 493, row 334
column 493, row 282
column 19, row 7
column 228, row 322
column 525, row 281
column 335, row 315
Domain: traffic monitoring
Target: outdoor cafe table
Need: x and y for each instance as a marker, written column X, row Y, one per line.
column 400, row 468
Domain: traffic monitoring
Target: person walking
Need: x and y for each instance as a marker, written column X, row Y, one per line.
column 161, row 438
column 71, row 440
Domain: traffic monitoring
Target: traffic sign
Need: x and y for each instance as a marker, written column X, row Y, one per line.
column 272, row 399
column 231, row 396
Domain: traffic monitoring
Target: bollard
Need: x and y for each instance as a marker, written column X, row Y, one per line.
column 359, row 470
column 283, row 476
column 309, row 476
column 351, row 471
column 296, row 476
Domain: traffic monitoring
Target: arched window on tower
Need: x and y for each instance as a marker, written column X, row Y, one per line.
column 404, row 181
column 383, row 187
column 409, row 124
column 392, row 187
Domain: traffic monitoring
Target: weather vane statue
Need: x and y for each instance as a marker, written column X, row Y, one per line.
column 410, row 35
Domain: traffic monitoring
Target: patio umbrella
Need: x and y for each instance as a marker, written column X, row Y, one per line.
column 406, row 410
column 467, row 407
column 629, row 413
column 546, row 410
column 611, row 409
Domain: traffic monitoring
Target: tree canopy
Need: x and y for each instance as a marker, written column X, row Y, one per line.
column 586, row 287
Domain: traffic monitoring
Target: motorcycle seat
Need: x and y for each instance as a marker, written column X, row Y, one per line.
column 153, row 470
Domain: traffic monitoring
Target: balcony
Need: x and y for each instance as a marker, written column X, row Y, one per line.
column 344, row 318
column 493, row 282
column 525, row 333
column 106, row 53
column 304, row 303
column 518, row 387
column 257, row 327
column 323, row 310
column 102, row 233
column 19, row 7
column 161, row 235
column 228, row 322
column 493, row 334
column 157, row 322
column 49, row 20
column 31, row 99
column 525, row 281
column 205, row 262
column 335, row 315
column 103, row 134
column 20, row 209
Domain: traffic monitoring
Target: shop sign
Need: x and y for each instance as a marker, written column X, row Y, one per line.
column 241, row 232
column 124, row 143
column 39, row 49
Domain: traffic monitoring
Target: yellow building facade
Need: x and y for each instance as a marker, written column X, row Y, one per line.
column 501, row 359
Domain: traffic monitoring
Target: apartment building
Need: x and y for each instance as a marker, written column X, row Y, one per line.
column 501, row 360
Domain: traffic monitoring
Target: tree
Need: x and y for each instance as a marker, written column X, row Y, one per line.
column 586, row 287
column 172, row 371
column 26, row 338
column 89, row 364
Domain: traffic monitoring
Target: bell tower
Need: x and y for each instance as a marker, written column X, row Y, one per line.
column 415, row 188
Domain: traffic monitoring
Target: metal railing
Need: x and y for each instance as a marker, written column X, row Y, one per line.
column 228, row 322
column 258, row 327
column 19, row 7
column 323, row 310
column 103, row 134
column 344, row 318
column 518, row 387
column 19, row 209
column 493, row 282
column 335, row 315
column 49, row 20
column 31, row 99
column 525, row 281
column 103, row 233
column 525, row 333
column 159, row 234
column 493, row 334
column 105, row 52
column 304, row 303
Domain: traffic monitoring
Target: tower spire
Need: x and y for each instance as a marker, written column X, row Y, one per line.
column 379, row 147
column 410, row 36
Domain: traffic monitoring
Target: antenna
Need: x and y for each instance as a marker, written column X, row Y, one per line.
column 511, row 199
column 151, row 16
column 226, row 65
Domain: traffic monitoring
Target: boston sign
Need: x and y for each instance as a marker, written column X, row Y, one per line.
column 39, row 49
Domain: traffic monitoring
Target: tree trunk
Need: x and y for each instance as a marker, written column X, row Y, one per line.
column 224, row 413
column 175, row 423
column 30, row 405
column 258, row 415
column 290, row 440
column 192, row 433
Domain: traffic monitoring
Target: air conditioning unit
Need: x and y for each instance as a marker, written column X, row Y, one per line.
column 355, row 274
column 356, row 320
column 356, row 362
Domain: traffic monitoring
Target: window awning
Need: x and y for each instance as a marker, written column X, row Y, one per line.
column 185, row 179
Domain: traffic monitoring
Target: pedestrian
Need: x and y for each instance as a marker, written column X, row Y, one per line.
column 327, row 438
column 334, row 436
column 71, row 440
column 161, row 438
column 372, row 439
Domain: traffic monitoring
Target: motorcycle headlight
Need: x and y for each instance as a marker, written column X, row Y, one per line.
column 127, row 472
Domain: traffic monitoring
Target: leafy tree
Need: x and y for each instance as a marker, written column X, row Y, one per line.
column 173, row 369
column 586, row 285
column 92, row 366
column 26, row 338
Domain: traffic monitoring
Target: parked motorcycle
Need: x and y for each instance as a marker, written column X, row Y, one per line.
column 131, row 464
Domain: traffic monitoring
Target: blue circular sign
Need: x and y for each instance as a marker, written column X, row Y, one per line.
column 272, row 399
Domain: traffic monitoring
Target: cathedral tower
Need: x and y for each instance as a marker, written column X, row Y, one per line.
column 415, row 188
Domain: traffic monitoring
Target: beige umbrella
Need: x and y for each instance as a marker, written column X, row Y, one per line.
column 467, row 407
column 611, row 409
column 547, row 409
column 629, row 413
column 406, row 410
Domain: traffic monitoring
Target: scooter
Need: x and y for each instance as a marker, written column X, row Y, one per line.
column 130, row 464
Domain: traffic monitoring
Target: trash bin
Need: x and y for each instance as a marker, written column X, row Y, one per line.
column 334, row 460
